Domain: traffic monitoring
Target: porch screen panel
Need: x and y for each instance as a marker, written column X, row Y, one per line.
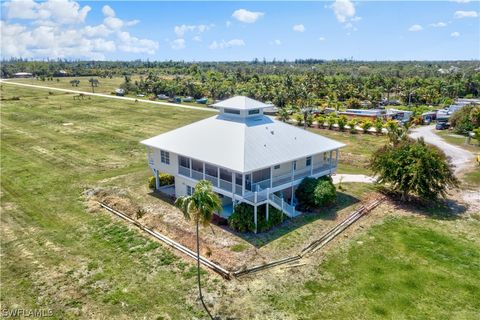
column 261, row 175
column 211, row 170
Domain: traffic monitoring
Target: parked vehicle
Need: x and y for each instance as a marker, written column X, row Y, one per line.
column 202, row 101
column 163, row 96
column 187, row 99
column 442, row 125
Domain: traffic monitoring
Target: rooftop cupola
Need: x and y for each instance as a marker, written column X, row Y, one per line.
column 240, row 106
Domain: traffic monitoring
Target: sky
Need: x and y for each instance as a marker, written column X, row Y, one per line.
column 225, row 31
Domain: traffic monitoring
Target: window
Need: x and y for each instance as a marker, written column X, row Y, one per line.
column 325, row 156
column 231, row 111
column 184, row 162
column 190, row 190
column 254, row 111
column 308, row 162
column 276, row 167
column 294, row 165
column 165, row 157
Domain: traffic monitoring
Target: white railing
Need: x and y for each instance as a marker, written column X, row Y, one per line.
column 302, row 173
column 261, row 184
column 212, row 179
column 321, row 168
column 288, row 209
column 277, row 181
column 184, row 171
column 225, row 185
column 197, row 175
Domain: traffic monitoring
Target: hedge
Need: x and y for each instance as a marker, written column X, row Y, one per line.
column 242, row 219
column 313, row 193
column 165, row 180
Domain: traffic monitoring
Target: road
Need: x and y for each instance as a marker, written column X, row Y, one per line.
column 460, row 158
column 340, row 177
column 108, row 96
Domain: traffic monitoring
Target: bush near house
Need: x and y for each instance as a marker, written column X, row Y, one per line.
column 242, row 218
column 165, row 180
column 466, row 119
column 314, row 193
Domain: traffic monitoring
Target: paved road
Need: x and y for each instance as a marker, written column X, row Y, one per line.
column 108, row 96
column 460, row 158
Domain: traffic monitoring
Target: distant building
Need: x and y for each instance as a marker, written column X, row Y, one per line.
column 371, row 114
column 23, row 75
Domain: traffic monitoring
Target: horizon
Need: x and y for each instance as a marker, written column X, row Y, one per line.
column 241, row 31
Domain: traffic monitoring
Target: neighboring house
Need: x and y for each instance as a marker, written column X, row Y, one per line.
column 23, row 75
column 371, row 114
column 248, row 156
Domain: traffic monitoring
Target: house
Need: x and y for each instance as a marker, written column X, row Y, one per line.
column 371, row 114
column 120, row 92
column 23, row 75
column 400, row 115
column 248, row 156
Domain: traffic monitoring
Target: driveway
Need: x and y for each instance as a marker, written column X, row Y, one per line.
column 460, row 158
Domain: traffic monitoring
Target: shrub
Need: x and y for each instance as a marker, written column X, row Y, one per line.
column 313, row 193
column 331, row 120
column 325, row 193
column 352, row 123
column 353, row 103
column 309, row 120
column 165, row 180
column 341, row 121
column 320, row 120
column 466, row 119
column 366, row 125
column 299, row 118
column 242, row 218
column 378, row 125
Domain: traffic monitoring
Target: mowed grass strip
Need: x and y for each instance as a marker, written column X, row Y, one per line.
column 56, row 255
column 404, row 268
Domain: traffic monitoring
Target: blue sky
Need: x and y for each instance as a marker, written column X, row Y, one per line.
column 201, row 31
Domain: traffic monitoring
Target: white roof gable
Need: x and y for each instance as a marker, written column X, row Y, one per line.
column 241, row 103
column 242, row 145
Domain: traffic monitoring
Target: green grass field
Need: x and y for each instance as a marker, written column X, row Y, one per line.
column 56, row 254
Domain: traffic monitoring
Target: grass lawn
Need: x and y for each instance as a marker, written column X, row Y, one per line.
column 54, row 253
column 354, row 157
column 458, row 140
column 401, row 269
column 106, row 86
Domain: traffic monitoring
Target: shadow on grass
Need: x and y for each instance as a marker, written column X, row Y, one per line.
column 259, row 240
column 441, row 209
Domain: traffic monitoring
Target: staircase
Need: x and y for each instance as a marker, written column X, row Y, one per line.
column 263, row 195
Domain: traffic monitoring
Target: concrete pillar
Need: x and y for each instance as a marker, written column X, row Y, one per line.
column 255, row 214
column 243, row 184
column 190, row 161
column 203, row 163
column 157, row 179
column 218, row 177
column 282, row 209
column 266, row 210
column 271, row 176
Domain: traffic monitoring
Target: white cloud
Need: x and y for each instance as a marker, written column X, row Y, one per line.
column 182, row 29
column 438, row 24
column 344, row 10
column 226, row 44
column 177, row 44
column 246, row 16
column 197, row 39
column 461, row 1
column 455, row 34
column 299, row 28
column 276, row 42
column 322, row 39
column 108, row 11
column 415, row 28
column 465, row 14
column 59, row 11
column 56, row 29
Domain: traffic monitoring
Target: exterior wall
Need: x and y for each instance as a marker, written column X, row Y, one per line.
column 181, row 186
column 285, row 168
column 155, row 162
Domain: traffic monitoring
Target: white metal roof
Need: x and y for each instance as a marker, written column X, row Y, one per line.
column 242, row 145
column 241, row 103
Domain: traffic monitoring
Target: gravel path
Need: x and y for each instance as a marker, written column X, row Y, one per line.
column 460, row 158
column 352, row 178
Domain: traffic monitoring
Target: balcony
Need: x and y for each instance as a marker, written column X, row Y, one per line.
column 321, row 168
column 197, row 175
column 226, row 185
column 184, row 171
column 302, row 173
column 212, row 179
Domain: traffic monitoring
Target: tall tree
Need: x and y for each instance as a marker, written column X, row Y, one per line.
column 200, row 207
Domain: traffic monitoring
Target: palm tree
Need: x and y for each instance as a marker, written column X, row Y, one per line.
column 200, row 206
